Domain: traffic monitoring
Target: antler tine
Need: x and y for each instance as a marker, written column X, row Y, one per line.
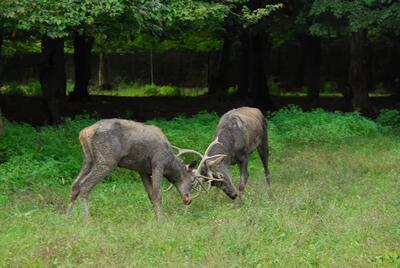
column 186, row 151
column 169, row 188
column 216, row 141
column 206, row 157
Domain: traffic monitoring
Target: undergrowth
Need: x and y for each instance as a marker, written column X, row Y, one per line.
column 333, row 202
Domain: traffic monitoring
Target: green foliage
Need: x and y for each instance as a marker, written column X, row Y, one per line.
column 389, row 119
column 31, row 88
column 274, row 86
column 52, row 155
column 333, row 18
column 329, row 87
column 319, row 126
column 59, row 18
column 252, row 17
column 168, row 91
column 330, row 206
column 232, row 90
column 150, row 90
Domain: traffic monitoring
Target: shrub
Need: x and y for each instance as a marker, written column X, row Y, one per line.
column 294, row 125
column 31, row 88
column 232, row 90
column 168, row 91
column 389, row 119
column 329, row 87
column 150, row 90
column 274, row 86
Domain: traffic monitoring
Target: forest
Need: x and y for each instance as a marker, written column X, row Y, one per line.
column 253, row 50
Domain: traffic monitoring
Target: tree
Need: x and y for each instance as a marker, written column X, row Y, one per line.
column 297, row 23
column 247, row 21
column 257, row 24
column 52, row 21
column 83, row 45
column 355, row 19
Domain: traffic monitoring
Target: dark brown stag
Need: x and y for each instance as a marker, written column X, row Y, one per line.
column 115, row 142
column 239, row 132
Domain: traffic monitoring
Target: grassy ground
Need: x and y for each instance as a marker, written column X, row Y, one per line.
column 334, row 201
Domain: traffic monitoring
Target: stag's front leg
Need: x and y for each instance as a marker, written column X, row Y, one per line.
column 156, row 191
column 244, row 175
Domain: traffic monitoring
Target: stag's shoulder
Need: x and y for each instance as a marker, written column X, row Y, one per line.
column 250, row 111
column 243, row 113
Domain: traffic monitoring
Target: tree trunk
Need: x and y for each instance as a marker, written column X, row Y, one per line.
column 52, row 76
column 1, row 46
column 82, row 52
column 257, row 81
column 219, row 82
column 397, row 74
column 243, row 87
column 312, row 67
column 1, row 39
column 151, row 67
column 358, row 71
column 1, row 122
column 104, row 80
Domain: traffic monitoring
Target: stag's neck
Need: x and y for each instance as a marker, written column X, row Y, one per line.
column 174, row 169
column 223, row 147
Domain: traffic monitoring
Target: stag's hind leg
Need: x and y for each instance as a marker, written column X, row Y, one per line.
column 86, row 167
column 244, row 175
column 105, row 152
column 263, row 151
column 96, row 174
column 75, row 189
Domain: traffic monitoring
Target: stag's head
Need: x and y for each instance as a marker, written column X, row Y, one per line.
column 216, row 170
column 187, row 176
column 185, row 181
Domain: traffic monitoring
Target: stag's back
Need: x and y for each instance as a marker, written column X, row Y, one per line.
column 242, row 128
column 131, row 144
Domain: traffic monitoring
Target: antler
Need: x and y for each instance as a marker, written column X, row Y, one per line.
column 206, row 158
column 196, row 182
column 197, row 176
column 186, row 151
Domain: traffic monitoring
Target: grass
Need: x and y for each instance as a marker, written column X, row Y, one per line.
column 334, row 201
column 121, row 89
column 124, row 89
column 135, row 89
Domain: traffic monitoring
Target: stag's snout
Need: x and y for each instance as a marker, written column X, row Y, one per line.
column 187, row 199
column 233, row 196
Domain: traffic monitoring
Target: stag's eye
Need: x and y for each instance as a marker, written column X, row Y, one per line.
column 219, row 176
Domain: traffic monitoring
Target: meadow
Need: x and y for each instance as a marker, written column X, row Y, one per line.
column 334, row 200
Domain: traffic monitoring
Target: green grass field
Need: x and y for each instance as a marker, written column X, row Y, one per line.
column 334, row 200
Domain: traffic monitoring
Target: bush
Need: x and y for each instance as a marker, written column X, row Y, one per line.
column 52, row 155
column 168, row 91
column 329, row 87
column 389, row 119
column 232, row 90
column 31, row 88
column 294, row 125
column 150, row 90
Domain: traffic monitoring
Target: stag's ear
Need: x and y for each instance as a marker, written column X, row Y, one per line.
column 191, row 166
column 215, row 161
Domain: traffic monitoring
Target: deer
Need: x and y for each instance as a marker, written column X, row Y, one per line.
column 239, row 132
column 112, row 143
